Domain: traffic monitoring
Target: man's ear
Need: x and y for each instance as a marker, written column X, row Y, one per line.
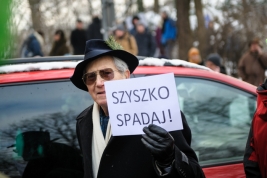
column 127, row 74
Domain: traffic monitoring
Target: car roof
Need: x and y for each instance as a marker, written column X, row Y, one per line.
column 54, row 68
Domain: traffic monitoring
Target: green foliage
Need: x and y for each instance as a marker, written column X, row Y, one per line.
column 113, row 44
column 4, row 30
column 140, row 5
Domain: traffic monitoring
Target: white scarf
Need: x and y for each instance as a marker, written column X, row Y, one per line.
column 98, row 141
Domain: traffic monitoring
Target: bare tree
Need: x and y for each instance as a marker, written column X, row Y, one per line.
column 140, row 5
column 201, row 32
column 185, row 33
column 59, row 125
column 36, row 14
column 156, row 6
column 90, row 8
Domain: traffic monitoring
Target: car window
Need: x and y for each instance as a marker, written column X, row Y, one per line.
column 219, row 117
column 37, row 127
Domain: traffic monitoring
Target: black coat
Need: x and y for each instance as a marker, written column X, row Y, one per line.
column 94, row 29
column 126, row 156
column 146, row 44
column 59, row 48
column 78, row 40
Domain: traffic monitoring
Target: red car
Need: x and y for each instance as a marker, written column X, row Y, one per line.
column 37, row 98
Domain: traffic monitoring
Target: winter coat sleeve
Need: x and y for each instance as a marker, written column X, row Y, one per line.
column 170, row 32
column 152, row 45
column 36, row 48
column 72, row 39
column 134, row 49
column 263, row 60
column 251, row 166
column 185, row 163
column 241, row 68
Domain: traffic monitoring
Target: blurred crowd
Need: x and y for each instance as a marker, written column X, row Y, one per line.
column 141, row 40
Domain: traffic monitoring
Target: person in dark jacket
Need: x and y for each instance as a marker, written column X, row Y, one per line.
column 145, row 41
column 168, row 35
column 105, row 155
column 135, row 21
column 33, row 45
column 78, row 38
column 214, row 63
column 255, row 158
column 59, row 47
column 94, row 29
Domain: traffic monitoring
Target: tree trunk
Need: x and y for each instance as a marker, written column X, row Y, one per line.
column 36, row 14
column 90, row 8
column 156, row 6
column 140, row 5
column 247, row 19
column 201, row 29
column 184, row 30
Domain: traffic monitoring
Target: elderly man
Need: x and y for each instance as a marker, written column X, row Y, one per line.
column 104, row 155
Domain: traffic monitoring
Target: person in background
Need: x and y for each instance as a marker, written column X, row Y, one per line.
column 135, row 21
column 125, row 39
column 59, row 47
column 253, row 63
column 194, row 56
column 94, row 29
column 145, row 41
column 78, row 38
column 255, row 157
column 33, row 45
column 214, row 63
column 168, row 35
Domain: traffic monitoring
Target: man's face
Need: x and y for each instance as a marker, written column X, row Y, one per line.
column 119, row 33
column 79, row 25
column 135, row 21
column 164, row 15
column 212, row 66
column 56, row 37
column 254, row 47
column 97, row 89
column 140, row 28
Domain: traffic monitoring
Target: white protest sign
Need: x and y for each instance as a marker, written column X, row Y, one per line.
column 138, row 102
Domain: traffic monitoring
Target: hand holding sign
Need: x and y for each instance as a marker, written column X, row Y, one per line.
column 160, row 143
column 136, row 103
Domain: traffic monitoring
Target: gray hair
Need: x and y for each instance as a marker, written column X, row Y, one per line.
column 120, row 64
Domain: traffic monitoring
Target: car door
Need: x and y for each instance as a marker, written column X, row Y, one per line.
column 37, row 128
column 219, row 116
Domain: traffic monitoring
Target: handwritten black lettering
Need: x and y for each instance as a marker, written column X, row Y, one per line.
column 136, row 96
column 122, row 96
column 143, row 94
column 154, row 115
column 143, row 119
column 115, row 98
column 151, row 94
column 129, row 95
column 166, row 90
column 164, row 120
column 125, row 118
column 120, row 120
column 136, row 119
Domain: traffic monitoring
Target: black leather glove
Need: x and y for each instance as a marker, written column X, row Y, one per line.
column 160, row 143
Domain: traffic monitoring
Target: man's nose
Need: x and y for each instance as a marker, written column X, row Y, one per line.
column 99, row 81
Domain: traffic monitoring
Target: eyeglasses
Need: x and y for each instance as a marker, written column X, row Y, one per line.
column 90, row 78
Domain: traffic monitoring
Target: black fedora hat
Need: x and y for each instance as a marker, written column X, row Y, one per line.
column 95, row 49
